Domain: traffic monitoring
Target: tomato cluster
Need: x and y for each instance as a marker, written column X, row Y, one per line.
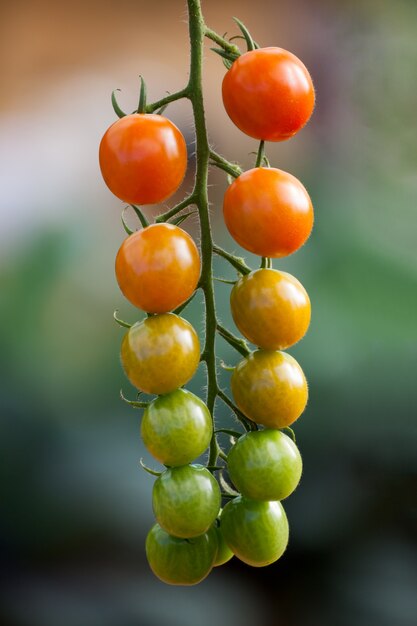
column 269, row 95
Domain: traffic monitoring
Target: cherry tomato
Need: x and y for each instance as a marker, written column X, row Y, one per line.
column 160, row 353
column 224, row 553
column 270, row 388
column 265, row 465
column 158, row 268
column 268, row 212
column 270, row 308
column 143, row 158
column 176, row 428
column 268, row 93
column 256, row 532
column 186, row 500
column 180, row 561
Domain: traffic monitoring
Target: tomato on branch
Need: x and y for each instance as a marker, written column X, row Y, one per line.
column 268, row 212
column 270, row 308
column 268, row 93
column 143, row 158
column 161, row 353
column 158, row 267
column 270, row 388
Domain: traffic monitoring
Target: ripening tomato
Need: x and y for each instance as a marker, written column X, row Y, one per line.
column 160, row 353
column 143, row 158
column 268, row 93
column 180, row 561
column 265, row 465
column 270, row 388
column 186, row 500
column 158, row 268
column 176, row 428
column 270, row 308
column 256, row 532
column 268, row 212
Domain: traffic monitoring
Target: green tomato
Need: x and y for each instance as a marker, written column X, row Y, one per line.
column 224, row 553
column 186, row 500
column 256, row 532
column 265, row 465
column 180, row 561
column 176, row 428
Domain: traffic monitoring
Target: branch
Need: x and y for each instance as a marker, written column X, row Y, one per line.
column 246, row 422
column 171, row 97
column 238, row 344
column 219, row 161
column 176, row 209
column 237, row 262
column 221, row 41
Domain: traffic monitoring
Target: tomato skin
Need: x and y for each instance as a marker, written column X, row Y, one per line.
column 186, row 500
column 224, row 553
column 268, row 212
column 265, row 465
column 270, row 388
column 270, row 308
column 143, row 158
column 178, row 561
column 158, row 268
column 256, row 532
column 268, row 94
column 176, row 428
column 160, row 353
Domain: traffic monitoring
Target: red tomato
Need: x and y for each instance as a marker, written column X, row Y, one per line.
column 158, row 268
column 268, row 212
column 143, row 158
column 268, row 93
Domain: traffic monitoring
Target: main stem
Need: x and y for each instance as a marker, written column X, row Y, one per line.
column 197, row 32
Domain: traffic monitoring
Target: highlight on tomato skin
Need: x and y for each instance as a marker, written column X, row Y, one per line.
column 143, row 158
column 158, row 268
column 268, row 212
column 268, row 94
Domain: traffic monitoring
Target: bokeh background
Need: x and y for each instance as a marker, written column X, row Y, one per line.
column 75, row 506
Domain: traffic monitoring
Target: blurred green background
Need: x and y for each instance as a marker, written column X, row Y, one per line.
column 75, row 505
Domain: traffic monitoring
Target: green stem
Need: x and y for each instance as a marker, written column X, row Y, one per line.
column 171, row 97
column 221, row 41
column 176, row 209
column 197, row 31
column 238, row 344
column 261, row 154
column 225, row 165
column 237, row 262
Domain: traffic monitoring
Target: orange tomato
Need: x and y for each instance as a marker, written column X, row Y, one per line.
column 268, row 93
column 160, row 354
column 270, row 308
column 270, row 388
column 268, row 212
column 158, row 268
column 143, row 158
